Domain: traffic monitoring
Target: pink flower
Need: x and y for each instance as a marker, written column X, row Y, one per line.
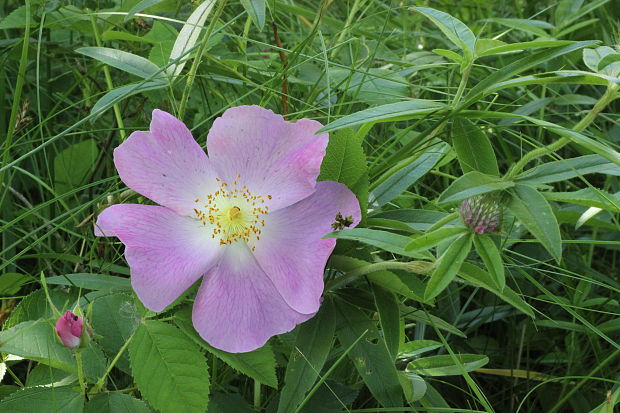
column 249, row 218
column 70, row 328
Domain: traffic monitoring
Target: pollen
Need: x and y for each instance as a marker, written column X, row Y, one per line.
column 233, row 213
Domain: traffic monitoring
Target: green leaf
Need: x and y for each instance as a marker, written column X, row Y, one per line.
column 568, row 168
column 373, row 85
column 406, row 173
column 115, row 318
column 424, row 317
column 141, row 6
column 15, row 19
column 43, row 400
column 513, row 47
column 592, row 57
column 259, row 364
column 473, row 148
column 123, row 92
column 115, row 402
column 388, row 241
column 518, row 66
column 188, row 36
column 74, row 164
column 590, row 197
column 11, row 283
column 535, row 27
column 434, row 238
column 535, row 213
column 455, row 30
column 455, row 57
column 416, row 347
column 256, row 11
column 389, row 318
column 169, row 369
column 480, row 278
column 580, row 139
column 344, row 159
column 470, row 184
column 372, row 360
column 312, row 345
column 35, row 306
column 128, row 62
column 89, row 281
column 385, row 113
column 36, row 340
column 414, row 386
column 447, row 265
column 446, row 365
column 487, row 250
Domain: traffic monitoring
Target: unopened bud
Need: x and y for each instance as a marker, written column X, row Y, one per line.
column 482, row 214
column 72, row 330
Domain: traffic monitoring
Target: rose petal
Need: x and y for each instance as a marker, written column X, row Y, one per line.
column 272, row 156
column 166, row 164
column 290, row 249
column 166, row 252
column 237, row 308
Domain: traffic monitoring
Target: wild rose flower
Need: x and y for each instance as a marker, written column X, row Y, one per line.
column 482, row 213
column 249, row 218
column 70, row 328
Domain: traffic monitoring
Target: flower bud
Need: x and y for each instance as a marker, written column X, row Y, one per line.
column 70, row 328
column 482, row 214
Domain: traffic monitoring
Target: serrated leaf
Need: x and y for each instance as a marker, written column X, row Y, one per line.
column 487, row 250
column 169, row 369
column 43, row 400
column 372, row 360
column 534, row 212
column 446, row 365
column 115, row 402
column 312, row 345
column 454, row 29
column 259, row 364
column 344, row 159
column 447, row 265
column 471, row 184
column 188, row 36
column 15, row 19
column 473, row 148
column 125, row 61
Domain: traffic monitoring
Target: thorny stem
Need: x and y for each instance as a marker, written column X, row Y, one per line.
column 416, row 267
column 609, row 95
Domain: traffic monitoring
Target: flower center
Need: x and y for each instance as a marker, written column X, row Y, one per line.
column 233, row 213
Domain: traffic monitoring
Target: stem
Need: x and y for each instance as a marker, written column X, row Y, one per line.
column 609, row 95
column 108, row 81
column 462, row 84
column 80, row 370
column 257, row 400
column 347, row 26
column 192, row 71
column 416, row 267
column 101, row 382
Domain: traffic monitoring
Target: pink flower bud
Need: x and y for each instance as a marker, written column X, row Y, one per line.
column 482, row 214
column 70, row 328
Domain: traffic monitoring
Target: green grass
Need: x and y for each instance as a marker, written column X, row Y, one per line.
column 342, row 57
